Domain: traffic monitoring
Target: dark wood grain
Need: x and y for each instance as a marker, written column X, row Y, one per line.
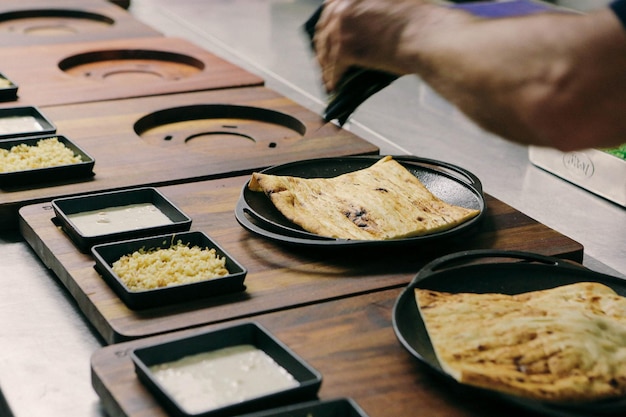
column 350, row 341
column 42, row 82
column 279, row 276
column 106, row 131
column 29, row 22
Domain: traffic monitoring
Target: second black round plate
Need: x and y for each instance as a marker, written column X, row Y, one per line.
column 513, row 273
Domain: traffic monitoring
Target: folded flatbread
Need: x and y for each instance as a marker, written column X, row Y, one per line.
column 383, row 201
column 566, row 344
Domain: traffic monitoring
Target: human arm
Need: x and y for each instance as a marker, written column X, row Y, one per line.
column 552, row 79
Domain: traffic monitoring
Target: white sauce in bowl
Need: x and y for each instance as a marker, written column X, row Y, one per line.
column 222, row 377
column 19, row 124
column 118, row 219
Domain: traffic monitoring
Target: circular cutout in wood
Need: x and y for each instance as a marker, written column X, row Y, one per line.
column 218, row 128
column 131, row 65
column 52, row 22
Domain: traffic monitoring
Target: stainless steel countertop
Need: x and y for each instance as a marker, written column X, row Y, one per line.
column 46, row 344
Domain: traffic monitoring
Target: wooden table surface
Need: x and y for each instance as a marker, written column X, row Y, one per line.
column 350, row 341
column 279, row 276
column 220, row 145
column 44, row 22
column 82, row 72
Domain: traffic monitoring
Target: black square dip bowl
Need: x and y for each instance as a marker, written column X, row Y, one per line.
column 40, row 176
column 106, row 254
column 8, row 89
column 94, row 219
column 227, row 365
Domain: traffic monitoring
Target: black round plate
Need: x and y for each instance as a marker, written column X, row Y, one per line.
column 453, row 273
column 256, row 213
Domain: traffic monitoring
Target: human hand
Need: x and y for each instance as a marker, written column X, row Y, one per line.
column 361, row 33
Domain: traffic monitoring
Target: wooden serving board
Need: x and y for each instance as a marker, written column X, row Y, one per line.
column 279, row 277
column 163, row 154
column 350, row 341
column 46, row 22
column 116, row 69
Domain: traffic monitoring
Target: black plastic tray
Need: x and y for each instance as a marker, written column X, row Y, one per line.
column 42, row 176
column 8, row 93
column 455, row 185
column 106, row 254
column 513, row 273
column 309, row 380
column 46, row 126
column 64, row 207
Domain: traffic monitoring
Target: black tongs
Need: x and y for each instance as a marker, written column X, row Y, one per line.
column 356, row 85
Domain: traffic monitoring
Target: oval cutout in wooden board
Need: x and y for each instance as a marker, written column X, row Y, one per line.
column 211, row 127
column 126, row 65
column 53, row 22
column 41, row 22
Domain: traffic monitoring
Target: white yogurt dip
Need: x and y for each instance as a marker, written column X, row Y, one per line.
column 214, row 379
column 118, row 219
column 18, row 124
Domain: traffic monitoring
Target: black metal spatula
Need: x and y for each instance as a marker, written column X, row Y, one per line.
column 356, row 86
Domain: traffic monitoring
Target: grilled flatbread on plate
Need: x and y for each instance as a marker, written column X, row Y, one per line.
column 563, row 344
column 383, row 201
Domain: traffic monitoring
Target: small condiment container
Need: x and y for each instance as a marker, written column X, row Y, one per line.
column 8, row 89
column 100, row 205
column 306, row 380
column 108, row 253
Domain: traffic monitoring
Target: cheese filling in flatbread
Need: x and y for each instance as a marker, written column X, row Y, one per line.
column 563, row 344
column 383, row 201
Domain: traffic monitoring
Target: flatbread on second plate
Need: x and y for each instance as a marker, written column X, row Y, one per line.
column 566, row 344
column 383, row 201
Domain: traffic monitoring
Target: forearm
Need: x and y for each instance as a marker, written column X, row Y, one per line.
column 555, row 80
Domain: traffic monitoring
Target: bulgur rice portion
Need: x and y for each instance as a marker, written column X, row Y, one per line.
column 176, row 265
column 47, row 153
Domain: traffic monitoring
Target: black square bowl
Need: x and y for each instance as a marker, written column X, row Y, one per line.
column 42, row 126
column 81, row 169
column 106, row 254
column 308, row 379
column 7, row 92
column 67, row 206
column 338, row 407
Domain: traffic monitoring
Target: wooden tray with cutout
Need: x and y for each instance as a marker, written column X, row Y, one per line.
column 116, row 69
column 184, row 137
column 350, row 341
column 279, row 276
